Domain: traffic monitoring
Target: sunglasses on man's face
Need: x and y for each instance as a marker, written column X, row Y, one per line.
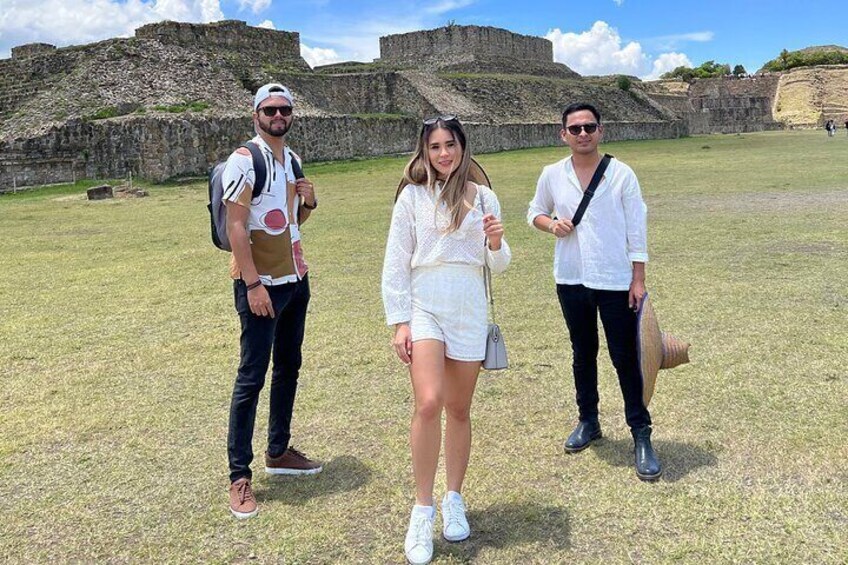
column 271, row 111
column 576, row 129
column 445, row 118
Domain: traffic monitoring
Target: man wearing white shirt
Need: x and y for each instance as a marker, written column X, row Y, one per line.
column 599, row 267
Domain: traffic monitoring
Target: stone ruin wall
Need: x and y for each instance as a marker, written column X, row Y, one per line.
column 473, row 49
column 456, row 41
column 228, row 35
column 734, row 105
column 808, row 97
column 159, row 149
column 720, row 105
column 356, row 114
column 35, row 68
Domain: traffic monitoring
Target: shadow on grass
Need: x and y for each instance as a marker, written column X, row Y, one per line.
column 678, row 459
column 342, row 474
column 507, row 525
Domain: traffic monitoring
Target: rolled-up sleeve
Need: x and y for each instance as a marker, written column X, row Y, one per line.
column 543, row 201
column 397, row 265
column 636, row 220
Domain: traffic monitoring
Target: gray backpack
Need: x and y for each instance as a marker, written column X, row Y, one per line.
column 217, row 207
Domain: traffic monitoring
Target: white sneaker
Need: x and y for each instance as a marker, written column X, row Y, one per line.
column 455, row 524
column 419, row 538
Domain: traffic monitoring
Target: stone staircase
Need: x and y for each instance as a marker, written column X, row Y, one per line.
column 442, row 96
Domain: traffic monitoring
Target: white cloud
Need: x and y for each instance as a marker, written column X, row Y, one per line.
column 668, row 62
column 601, row 51
column 671, row 42
column 255, row 6
column 267, row 24
column 316, row 56
column 598, row 51
column 447, row 6
column 73, row 22
column 618, row 2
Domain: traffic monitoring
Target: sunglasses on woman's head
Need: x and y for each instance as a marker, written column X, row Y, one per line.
column 445, row 118
column 588, row 128
column 271, row 111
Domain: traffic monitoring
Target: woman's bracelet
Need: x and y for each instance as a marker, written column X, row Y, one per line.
column 257, row 284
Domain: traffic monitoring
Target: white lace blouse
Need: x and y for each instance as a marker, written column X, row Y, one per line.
column 418, row 237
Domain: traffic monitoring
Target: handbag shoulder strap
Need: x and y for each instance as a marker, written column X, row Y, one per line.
column 590, row 190
column 487, row 272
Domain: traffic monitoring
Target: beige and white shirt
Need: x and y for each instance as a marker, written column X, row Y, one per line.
column 272, row 221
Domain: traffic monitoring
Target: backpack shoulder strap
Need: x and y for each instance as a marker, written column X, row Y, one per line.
column 295, row 163
column 590, row 190
column 259, row 168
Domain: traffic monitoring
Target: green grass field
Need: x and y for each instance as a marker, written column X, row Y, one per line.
column 118, row 349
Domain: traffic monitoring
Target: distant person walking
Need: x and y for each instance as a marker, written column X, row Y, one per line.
column 444, row 228
column 599, row 267
column 830, row 126
column 271, row 291
column 846, row 126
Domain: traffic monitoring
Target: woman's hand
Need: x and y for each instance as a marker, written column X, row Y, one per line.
column 402, row 343
column 493, row 228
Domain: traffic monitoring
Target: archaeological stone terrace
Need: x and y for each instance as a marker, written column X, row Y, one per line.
column 176, row 97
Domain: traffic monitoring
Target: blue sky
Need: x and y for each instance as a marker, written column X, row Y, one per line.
column 638, row 37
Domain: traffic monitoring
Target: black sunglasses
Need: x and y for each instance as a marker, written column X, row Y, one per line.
column 445, row 118
column 588, row 128
column 271, row 111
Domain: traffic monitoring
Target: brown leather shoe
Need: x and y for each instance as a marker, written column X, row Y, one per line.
column 291, row 462
column 242, row 501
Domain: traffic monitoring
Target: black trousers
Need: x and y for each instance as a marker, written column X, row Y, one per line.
column 261, row 338
column 580, row 307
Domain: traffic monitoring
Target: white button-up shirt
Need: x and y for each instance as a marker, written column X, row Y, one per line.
column 600, row 252
column 419, row 237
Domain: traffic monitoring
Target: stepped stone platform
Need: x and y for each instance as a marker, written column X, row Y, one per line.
column 176, row 97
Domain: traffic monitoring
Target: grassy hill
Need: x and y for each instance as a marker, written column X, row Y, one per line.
column 808, row 57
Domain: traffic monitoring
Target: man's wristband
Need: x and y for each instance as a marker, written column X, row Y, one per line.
column 257, row 284
column 308, row 207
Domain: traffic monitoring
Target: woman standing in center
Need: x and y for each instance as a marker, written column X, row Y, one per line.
column 444, row 229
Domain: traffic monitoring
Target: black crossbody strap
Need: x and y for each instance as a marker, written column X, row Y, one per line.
column 590, row 190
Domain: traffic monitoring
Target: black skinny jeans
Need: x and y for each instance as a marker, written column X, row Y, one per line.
column 580, row 307
column 262, row 336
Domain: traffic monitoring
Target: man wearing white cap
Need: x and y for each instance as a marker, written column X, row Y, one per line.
column 599, row 268
column 271, row 291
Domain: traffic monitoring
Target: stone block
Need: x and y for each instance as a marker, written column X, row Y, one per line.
column 101, row 192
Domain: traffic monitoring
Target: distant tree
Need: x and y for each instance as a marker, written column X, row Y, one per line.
column 784, row 59
column 623, row 82
column 683, row 73
column 739, row 70
column 707, row 69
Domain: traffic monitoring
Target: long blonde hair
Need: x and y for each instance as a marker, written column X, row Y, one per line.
column 420, row 171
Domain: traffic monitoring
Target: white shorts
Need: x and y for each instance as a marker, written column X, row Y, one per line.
column 449, row 304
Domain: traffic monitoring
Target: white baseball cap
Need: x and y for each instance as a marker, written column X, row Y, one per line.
column 269, row 90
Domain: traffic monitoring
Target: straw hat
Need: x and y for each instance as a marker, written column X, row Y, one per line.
column 657, row 350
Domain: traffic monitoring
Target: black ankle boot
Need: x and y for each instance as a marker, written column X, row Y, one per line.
column 585, row 433
column 647, row 465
